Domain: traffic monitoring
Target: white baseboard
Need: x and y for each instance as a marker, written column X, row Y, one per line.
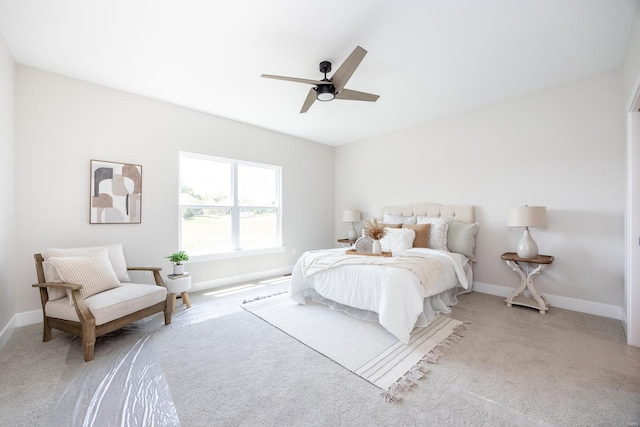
column 589, row 307
column 29, row 317
column 7, row 331
column 35, row 316
column 233, row 280
column 19, row 319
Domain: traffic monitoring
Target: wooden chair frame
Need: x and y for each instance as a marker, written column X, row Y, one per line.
column 86, row 328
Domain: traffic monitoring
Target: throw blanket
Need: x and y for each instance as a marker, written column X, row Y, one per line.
column 426, row 269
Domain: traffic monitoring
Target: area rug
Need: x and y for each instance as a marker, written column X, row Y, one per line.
column 364, row 348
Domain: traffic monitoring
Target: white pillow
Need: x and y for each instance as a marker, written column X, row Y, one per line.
column 398, row 219
column 461, row 238
column 93, row 271
column 396, row 239
column 438, row 232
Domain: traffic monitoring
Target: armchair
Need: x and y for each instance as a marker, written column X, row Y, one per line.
column 86, row 292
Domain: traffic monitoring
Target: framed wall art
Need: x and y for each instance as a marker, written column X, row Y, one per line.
column 116, row 193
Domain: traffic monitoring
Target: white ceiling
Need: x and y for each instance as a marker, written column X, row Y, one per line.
column 427, row 58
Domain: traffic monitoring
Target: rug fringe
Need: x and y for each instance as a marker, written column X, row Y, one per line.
column 458, row 331
column 263, row 297
column 418, row 371
column 455, row 337
column 432, row 357
column 390, row 396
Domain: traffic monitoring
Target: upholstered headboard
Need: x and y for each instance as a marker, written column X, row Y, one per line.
column 455, row 236
column 462, row 213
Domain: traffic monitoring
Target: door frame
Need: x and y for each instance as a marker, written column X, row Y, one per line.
column 632, row 225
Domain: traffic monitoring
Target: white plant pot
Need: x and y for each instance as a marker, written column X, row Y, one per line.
column 178, row 268
column 376, row 248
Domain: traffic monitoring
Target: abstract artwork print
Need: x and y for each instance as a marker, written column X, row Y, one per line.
column 116, row 193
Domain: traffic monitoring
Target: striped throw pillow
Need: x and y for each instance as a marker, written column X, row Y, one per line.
column 93, row 271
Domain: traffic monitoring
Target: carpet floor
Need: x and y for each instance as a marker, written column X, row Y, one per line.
column 217, row 365
column 364, row 348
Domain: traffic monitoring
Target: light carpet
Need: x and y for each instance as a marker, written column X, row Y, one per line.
column 364, row 348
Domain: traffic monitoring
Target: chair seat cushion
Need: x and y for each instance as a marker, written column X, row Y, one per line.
column 112, row 304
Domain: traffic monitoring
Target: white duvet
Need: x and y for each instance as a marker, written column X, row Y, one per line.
column 396, row 294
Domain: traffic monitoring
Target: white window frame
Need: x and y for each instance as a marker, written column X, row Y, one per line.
column 235, row 209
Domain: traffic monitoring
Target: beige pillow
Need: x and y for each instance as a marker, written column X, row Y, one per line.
column 93, row 271
column 115, row 252
column 422, row 234
column 116, row 256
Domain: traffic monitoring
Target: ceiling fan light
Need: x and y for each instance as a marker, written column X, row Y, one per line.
column 325, row 93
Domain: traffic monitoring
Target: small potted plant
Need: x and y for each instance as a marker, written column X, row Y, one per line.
column 177, row 259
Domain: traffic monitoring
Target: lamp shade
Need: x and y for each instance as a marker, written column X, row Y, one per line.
column 351, row 215
column 527, row 216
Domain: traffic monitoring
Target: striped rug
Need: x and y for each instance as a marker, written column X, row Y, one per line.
column 364, row 348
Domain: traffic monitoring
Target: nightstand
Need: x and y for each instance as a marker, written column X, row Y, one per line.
column 526, row 269
column 346, row 242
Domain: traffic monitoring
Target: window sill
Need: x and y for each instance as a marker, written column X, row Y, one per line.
column 236, row 254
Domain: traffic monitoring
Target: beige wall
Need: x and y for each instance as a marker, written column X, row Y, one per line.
column 7, row 191
column 62, row 123
column 563, row 148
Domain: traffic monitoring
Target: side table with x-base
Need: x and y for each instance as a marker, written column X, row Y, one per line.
column 526, row 269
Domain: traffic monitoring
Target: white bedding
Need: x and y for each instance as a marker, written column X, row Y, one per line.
column 396, row 294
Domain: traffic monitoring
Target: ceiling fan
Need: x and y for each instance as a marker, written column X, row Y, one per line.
column 333, row 88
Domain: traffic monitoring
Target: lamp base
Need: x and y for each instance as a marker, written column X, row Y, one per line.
column 353, row 234
column 527, row 247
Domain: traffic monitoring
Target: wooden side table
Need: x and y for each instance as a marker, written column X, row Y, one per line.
column 346, row 242
column 526, row 269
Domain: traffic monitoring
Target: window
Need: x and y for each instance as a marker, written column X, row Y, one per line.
column 228, row 205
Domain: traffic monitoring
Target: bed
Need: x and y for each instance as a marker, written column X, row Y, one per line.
column 406, row 290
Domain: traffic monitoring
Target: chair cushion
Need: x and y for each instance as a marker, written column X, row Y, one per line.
column 93, row 271
column 112, row 304
column 116, row 257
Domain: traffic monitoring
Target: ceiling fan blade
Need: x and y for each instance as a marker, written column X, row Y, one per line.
column 354, row 95
column 297, row 80
column 311, row 97
column 345, row 71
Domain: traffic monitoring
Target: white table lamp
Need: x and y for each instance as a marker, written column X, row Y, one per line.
column 527, row 216
column 351, row 215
